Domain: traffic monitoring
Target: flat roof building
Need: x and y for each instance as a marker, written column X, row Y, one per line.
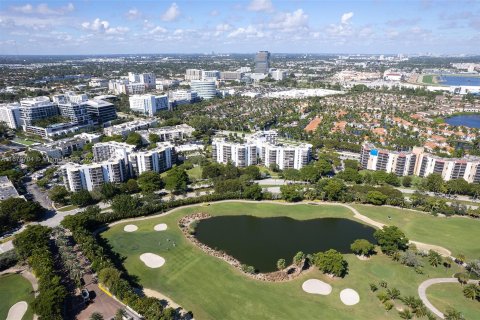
column 7, row 189
column 206, row 89
column 10, row 115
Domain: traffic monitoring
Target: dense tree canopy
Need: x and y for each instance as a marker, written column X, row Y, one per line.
column 391, row 239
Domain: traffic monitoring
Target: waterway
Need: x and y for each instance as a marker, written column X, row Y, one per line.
column 260, row 242
column 467, row 120
column 447, row 80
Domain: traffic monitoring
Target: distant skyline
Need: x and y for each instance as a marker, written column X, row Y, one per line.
column 194, row 26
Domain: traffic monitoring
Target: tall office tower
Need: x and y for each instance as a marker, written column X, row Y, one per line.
column 10, row 114
column 101, row 111
column 262, row 62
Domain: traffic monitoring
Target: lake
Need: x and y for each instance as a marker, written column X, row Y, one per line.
column 260, row 242
column 459, row 80
column 467, row 120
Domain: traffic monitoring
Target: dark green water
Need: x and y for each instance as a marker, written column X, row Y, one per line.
column 260, row 242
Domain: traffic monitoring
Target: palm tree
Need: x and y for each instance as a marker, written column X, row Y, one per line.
column 471, row 291
column 420, row 311
column 96, row 316
column 453, row 314
column 434, row 258
column 120, row 314
column 405, row 314
column 462, row 278
column 393, row 293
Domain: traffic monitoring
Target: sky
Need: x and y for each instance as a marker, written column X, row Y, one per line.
column 230, row 26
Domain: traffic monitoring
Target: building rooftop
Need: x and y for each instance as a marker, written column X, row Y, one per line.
column 7, row 190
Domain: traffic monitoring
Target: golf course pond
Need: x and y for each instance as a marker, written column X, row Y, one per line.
column 260, row 242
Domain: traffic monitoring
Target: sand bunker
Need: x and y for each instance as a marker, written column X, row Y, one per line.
column 316, row 286
column 349, row 297
column 130, row 228
column 152, row 260
column 17, row 311
column 160, row 227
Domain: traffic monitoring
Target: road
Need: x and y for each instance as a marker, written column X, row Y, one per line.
column 458, row 197
column 422, row 288
column 39, row 196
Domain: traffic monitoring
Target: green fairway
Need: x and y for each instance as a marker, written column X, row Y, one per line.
column 15, row 288
column 428, row 79
column 454, row 233
column 212, row 289
column 450, row 295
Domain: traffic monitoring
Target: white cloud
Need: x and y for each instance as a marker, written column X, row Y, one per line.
column 44, row 9
column 96, row 25
column 214, row 13
column 223, row 27
column 346, row 17
column 248, row 32
column 172, row 13
column 260, row 5
column 28, row 8
column 158, row 30
column 133, row 14
column 103, row 26
column 117, row 30
column 290, row 21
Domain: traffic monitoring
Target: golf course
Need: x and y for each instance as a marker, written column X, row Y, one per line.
column 15, row 289
column 213, row 289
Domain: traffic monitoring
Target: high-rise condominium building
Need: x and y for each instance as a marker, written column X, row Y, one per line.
column 182, row 96
column 116, row 162
column 148, row 79
column 73, row 106
column 210, row 74
column 125, row 87
column 193, row 74
column 33, row 109
column 10, row 114
column 206, row 89
column 262, row 62
column 148, row 104
column 231, row 75
column 261, row 147
column 419, row 163
column 158, row 159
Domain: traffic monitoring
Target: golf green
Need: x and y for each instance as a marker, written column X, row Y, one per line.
column 212, row 289
column 15, row 288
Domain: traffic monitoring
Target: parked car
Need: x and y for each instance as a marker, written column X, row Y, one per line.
column 85, row 295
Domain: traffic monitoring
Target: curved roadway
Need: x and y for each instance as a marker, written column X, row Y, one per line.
column 422, row 288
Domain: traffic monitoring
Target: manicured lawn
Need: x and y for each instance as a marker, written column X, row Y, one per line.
column 454, row 233
column 450, row 295
column 195, row 173
column 68, row 208
column 15, row 288
column 266, row 170
column 427, row 79
column 212, row 289
column 23, row 141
